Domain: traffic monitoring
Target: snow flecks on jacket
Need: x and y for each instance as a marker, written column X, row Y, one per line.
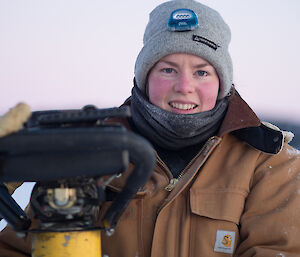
column 292, row 152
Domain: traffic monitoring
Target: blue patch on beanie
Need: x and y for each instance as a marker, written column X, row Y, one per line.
column 183, row 20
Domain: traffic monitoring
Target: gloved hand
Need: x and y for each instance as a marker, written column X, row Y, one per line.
column 11, row 122
column 14, row 119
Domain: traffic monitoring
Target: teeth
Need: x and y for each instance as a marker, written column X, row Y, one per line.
column 183, row 106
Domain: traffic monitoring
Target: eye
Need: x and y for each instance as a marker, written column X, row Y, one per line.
column 168, row 70
column 202, row 73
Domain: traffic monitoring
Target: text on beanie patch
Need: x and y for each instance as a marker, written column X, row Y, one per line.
column 205, row 41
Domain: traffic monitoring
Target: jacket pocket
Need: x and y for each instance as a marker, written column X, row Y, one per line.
column 219, row 204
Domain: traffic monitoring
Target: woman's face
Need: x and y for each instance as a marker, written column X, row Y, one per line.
column 183, row 84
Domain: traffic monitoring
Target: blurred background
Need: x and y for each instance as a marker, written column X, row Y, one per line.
column 66, row 54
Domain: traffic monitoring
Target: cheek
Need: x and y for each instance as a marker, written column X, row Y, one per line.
column 208, row 94
column 158, row 89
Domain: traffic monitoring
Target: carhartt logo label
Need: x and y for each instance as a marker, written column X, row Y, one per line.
column 224, row 241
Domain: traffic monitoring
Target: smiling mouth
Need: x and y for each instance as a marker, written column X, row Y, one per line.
column 181, row 106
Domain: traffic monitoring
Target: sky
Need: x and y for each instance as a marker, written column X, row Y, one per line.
column 67, row 54
column 64, row 54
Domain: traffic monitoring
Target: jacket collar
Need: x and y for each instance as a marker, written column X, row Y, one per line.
column 242, row 122
column 238, row 116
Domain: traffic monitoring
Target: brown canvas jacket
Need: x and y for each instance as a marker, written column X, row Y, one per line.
column 240, row 196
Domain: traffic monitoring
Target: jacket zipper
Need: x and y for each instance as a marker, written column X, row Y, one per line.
column 174, row 181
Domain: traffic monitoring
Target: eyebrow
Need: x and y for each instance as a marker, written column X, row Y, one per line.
column 198, row 66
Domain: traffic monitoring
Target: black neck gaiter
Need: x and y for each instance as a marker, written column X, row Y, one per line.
column 174, row 131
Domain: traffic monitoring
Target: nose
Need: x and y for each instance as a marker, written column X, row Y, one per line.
column 184, row 84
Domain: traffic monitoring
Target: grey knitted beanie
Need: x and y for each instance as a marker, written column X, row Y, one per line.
column 209, row 40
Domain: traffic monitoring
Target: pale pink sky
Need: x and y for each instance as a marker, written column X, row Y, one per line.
column 66, row 54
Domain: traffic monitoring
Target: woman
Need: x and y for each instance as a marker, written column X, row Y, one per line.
column 224, row 183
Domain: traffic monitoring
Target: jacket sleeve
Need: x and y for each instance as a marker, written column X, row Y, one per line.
column 270, row 223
